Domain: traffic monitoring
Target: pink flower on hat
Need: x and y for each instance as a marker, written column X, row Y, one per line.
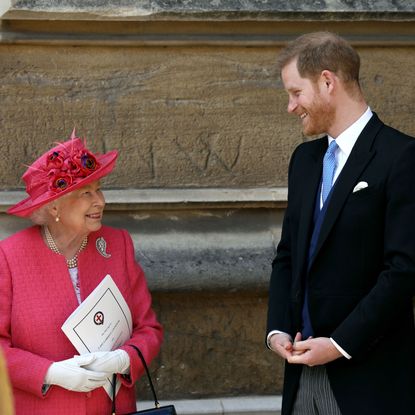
column 60, row 182
column 54, row 160
column 64, row 167
column 87, row 162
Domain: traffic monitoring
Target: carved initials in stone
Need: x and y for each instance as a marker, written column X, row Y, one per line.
column 212, row 149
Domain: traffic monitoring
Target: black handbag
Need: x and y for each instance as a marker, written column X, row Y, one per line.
column 157, row 410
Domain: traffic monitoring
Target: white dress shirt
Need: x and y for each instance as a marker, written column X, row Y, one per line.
column 345, row 141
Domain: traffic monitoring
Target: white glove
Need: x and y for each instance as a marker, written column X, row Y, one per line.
column 116, row 361
column 72, row 376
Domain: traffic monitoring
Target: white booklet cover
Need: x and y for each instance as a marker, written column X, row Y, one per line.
column 102, row 322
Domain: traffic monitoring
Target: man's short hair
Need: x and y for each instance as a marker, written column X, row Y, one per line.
column 319, row 51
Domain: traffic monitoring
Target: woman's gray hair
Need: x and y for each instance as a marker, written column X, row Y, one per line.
column 41, row 216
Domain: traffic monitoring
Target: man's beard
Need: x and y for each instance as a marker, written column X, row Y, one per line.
column 319, row 119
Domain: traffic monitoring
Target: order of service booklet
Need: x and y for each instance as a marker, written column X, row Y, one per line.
column 102, row 322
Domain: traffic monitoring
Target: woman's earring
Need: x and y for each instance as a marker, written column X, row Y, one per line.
column 57, row 219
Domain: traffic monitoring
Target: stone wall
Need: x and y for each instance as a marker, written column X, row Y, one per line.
column 189, row 94
column 181, row 117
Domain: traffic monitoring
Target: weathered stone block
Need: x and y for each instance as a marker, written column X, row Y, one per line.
column 201, row 9
column 214, row 346
column 181, row 117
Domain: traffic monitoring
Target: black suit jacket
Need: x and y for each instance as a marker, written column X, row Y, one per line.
column 361, row 279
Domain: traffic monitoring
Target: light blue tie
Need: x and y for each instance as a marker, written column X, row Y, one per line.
column 329, row 166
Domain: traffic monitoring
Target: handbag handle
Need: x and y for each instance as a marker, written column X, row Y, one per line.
column 143, row 361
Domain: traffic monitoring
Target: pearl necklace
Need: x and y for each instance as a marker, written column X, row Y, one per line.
column 71, row 263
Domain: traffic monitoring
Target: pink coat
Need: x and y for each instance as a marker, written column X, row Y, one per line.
column 36, row 297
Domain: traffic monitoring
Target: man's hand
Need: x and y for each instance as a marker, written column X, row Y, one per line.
column 313, row 352
column 282, row 344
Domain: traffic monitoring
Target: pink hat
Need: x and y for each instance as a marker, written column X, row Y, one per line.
column 64, row 168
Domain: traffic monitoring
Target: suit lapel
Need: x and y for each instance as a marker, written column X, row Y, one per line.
column 312, row 169
column 360, row 156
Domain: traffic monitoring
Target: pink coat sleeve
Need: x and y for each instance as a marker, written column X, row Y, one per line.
column 27, row 370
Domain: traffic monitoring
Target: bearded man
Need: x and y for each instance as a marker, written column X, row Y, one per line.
column 340, row 302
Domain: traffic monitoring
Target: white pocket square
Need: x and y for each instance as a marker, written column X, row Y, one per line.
column 360, row 186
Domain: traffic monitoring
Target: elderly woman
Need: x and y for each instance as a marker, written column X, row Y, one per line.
column 45, row 273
